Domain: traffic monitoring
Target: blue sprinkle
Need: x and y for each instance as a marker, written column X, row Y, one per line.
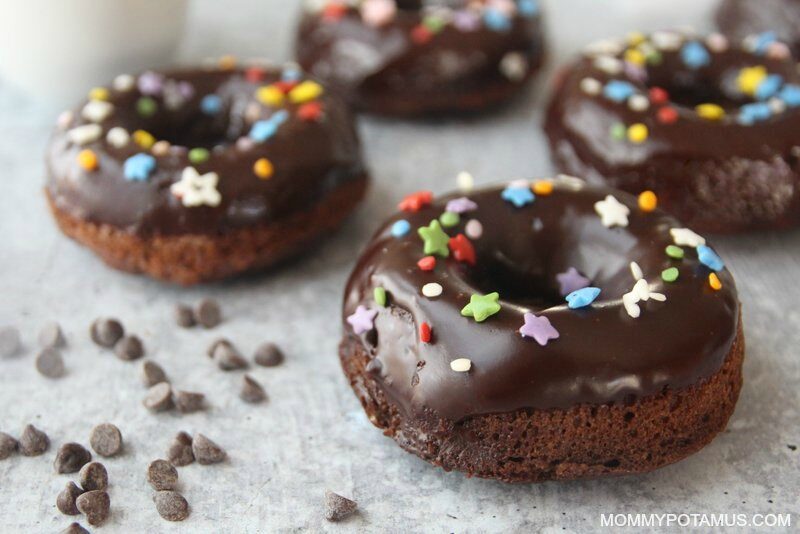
column 496, row 20
column 211, row 104
column 791, row 95
column 755, row 112
column 763, row 40
column 709, row 258
column 528, row 8
column 582, row 297
column 139, row 167
column 291, row 74
column 618, row 90
column 519, row 196
column 695, row 55
column 769, row 86
column 264, row 129
column 400, row 228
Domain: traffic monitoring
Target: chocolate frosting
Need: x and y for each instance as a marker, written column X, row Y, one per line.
column 311, row 158
column 740, row 18
column 602, row 354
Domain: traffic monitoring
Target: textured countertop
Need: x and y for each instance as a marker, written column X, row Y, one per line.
column 312, row 434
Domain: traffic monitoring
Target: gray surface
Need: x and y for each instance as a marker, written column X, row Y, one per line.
column 312, row 434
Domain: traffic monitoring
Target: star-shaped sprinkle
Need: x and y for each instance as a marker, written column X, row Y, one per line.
column 415, row 201
column 462, row 249
column 460, row 205
column 709, row 258
column 571, row 280
column 362, row 320
column 195, row 189
column 436, row 240
column 539, row 328
column 519, row 196
column 582, row 297
column 686, row 237
column 612, row 212
column 481, row 307
column 139, row 167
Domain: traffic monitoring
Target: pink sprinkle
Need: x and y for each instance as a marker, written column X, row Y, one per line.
column 473, row 229
column 378, row 13
column 244, row 144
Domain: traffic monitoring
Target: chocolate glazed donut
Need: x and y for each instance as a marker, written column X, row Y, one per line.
column 552, row 330
column 199, row 174
column 709, row 125
column 742, row 18
column 413, row 57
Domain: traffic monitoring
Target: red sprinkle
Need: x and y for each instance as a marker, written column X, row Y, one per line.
column 416, row 201
column 427, row 263
column 310, row 111
column 462, row 249
column 425, row 333
column 420, row 34
column 334, row 11
column 254, row 74
column 658, row 96
column 667, row 115
column 285, row 86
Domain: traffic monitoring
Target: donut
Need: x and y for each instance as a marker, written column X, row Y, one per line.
column 709, row 125
column 194, row 175
column 546, row 330
column 406, row 57
column 774, row 18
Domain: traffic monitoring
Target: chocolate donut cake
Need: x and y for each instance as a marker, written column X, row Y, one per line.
column 414, row 57
column 199, row 174
column 544, row 330
column 709, row 125
column 772, row 18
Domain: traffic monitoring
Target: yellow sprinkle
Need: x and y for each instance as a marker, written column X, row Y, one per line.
column 750, row 78
column 227, row 62
column 636, row 38
column 542, row 187
column 269, row 95
column 648, row 201
column 710, row 112
column 632, row 55
column 87, row 159
column 305, row 92
column 714, row 282
column 637, row 133
column 144, row 139
column 99, row 93
column 263, row 168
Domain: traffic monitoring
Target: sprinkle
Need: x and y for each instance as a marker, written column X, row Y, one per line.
column 465, row 181
column 709, row 258
column 749, row 79
column 150, row 83
column 528, row 8
column 461, row 365
column 514, row 66
column 436, row 241
column 760, row 42
column 648, row 201
column 146, row 106
column 144, row 139
column 612, row 212
column 518, row 196
column 227, row 62
column 461, row 205
column 636, row 271
column 432, row 290
column 658, row 96
column 466, row 21
column 481, row 307
column 462, row 249
column 609, row 65
column 139, row 167
column 618, row 131
column 717, row 42
column 496, row 20
column 379, row 294
column 310, row 111
column 686, row 237
column 415, row 201
column 195, row 189
column 640, row 292
column 161, row 148
column 99, row 93
column 473, row 229
column 87, row 160
column 449, row 219
column 670, row 275
column 618, row 90
column 769, row 86
column 695, row 55
column 582, row 297
column 198, row 155
column 263, row 130
column 674, row 252
column 425, row 333
column 97, row 110
column 421, row 34
column 570, row 281
column 211, row 104
column 539, row 328
column 269, row 95
column 254, row 74
column 400, row 228
column 243, row 144
column 714, row 282
column 754, row 112
column 712, row 112
column 362, row 320
column 667, row 115
column 630, row 302
column 635, row 57
column 263, row 168
column 543, row 187
column 591, row 86
column 428, row 263
column 378, row 13
column 123, row 83
column 638, row 103
column 666, row 40
column 790, row 94
column 64, row 119
column 637, row 133
column 85, row 134
column 305, row 92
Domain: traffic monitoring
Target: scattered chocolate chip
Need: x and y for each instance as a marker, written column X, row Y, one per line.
column 33, row 441
column 189, row 401
column 180, row 450
column 228, row 358
column 106, row 332
column 184, row 316
column 106, row 439
column 216, row 343
column 171, row 505
column 9, row 341
column 206, row 452
column 251, row 390
column 65, row 502
column 75, row 528
column 93, row 476
column 152, row 374
column 159, row 397
column 8, row 445
column 268, row 355
column 208, row 313
column 338, row 507
column 129, row 348
column 51, row 336
column 49, row 363
column 95, row 505
column 162, row 475
column 71, row 457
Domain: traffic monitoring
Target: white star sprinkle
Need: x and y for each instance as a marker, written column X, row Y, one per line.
column 686, row 237
column 612, row 212
column 197, row 190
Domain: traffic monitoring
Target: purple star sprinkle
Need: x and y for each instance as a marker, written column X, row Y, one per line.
column 150, row 83
column 460, row 205
column 571, row 280
column 465, row 20
column 362, row 320
column 539, row 328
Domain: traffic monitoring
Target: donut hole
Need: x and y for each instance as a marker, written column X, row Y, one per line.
column 194, row 129
column 692, row 88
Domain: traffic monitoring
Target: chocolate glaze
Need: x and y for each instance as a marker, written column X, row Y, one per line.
column 740, row 18
column 377, row 68
column 310, row 158
column 602, row 356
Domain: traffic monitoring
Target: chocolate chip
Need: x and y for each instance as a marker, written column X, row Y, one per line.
column 216, row 343
column 338, row 507
column 33, row 441
column 268, row 355
column 162, row 475
column 189, row 401
column 251, row 390
column 8, row 445
column 159, row 397
column 228, row 358
column 180, row 450
column 65, row 502
column 106, row 439
column 71, row 457
column 93, row 476
column 51, row 336
column 184, row 316
column 106, row 332
column 75, row 528
column 171, row 505
column 95, row 505
column 152, row 374
column 49, row 363
column 207, row 452
column 208, row 313
column 9, row 341
column 129, row 348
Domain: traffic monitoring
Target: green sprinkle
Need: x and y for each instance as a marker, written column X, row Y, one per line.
column 380, row 296
column 434, row 24
column 198, row 155
column 618, row 131
column 146, row 106
column 654, row 57
column 449, row 219
column 674, row 252
column 670, row 275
